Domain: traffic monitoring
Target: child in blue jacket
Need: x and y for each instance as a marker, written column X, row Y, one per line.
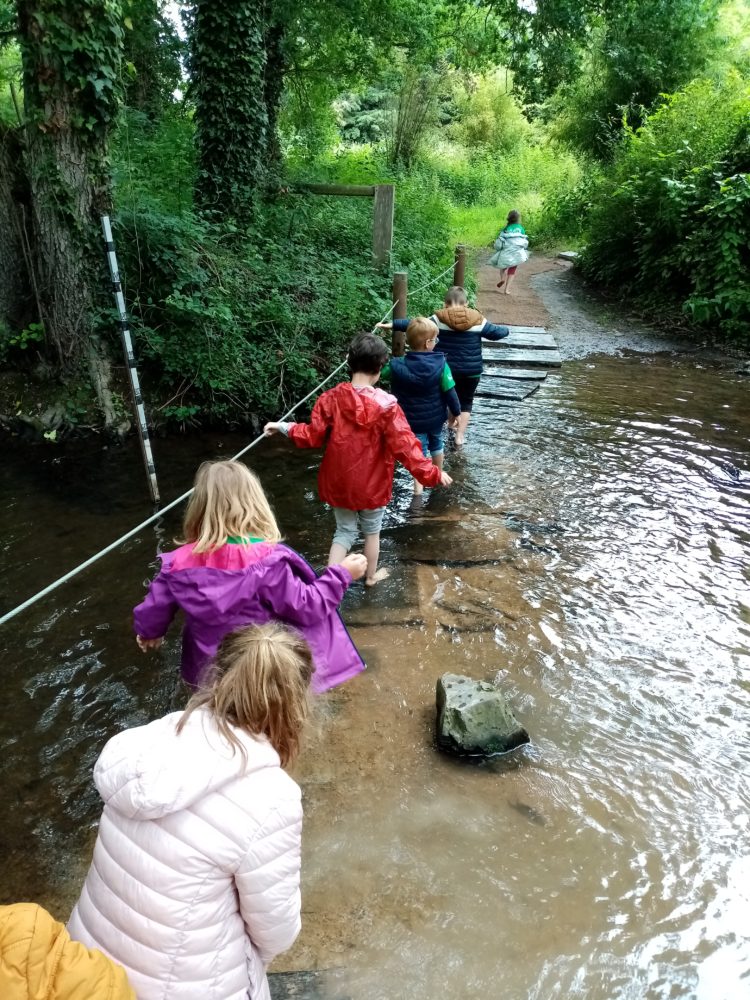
column 460, row 334
column 423, row 384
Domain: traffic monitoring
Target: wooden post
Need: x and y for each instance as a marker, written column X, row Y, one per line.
column 459, row 268
column 400, row 287
column 382, row 224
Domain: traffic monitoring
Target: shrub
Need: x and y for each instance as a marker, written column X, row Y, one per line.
column 669, row 219
column 487, row 116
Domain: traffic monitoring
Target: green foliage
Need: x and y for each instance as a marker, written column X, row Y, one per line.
column 669, row 219
column 479, row 189
column 10, row 73
column 153, row 157
column 721, row 287
column 486, row 116
column 7, row 19
column 640, row 51
column 641, row 47
column 19, row 340
column 72, row 50
column 362, row 118
column 307, row 121
column 232, row 323
column 152, row 54
column 415, row 111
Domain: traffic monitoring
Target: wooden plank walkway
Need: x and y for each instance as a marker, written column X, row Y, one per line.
column 524, row 341
column 544, row 359
column 504, row 378
column 520, row 374
column 506, row 388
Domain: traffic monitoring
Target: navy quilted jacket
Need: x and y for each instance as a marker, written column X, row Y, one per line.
column 416, row 384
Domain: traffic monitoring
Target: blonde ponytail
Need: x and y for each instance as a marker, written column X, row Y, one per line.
column 259, row 682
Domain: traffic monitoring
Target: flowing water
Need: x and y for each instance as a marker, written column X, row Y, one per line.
column 593, row 555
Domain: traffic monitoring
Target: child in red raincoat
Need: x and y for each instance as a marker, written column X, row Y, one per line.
column 364, row 432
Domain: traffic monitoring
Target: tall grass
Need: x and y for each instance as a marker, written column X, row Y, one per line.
column 482, row 190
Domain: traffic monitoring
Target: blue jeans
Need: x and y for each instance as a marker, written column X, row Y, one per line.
column 432, row 442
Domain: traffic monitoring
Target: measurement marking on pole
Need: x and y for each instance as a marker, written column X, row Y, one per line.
column 130, row 364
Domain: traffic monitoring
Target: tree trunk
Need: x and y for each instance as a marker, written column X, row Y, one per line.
column 227, row 62
column 15, row 291
column 273, row 87
column 71, row 55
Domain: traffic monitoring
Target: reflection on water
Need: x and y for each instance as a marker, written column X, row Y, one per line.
column 593, row 555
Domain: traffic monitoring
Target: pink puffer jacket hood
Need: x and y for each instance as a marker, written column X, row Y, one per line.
column 194, row 885
column 150, row 772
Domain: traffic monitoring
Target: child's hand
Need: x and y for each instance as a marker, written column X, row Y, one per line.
column 147, row 644
column 271, row 429
column 356, row 565
column 445, row 479
column 384, row 326
column 452, row 421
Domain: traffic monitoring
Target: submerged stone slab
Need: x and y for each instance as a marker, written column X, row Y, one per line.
column 473, row 717
column 471, row 599
column 301, row 985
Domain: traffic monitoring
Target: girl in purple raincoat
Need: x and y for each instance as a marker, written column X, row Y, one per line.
column 234, row 571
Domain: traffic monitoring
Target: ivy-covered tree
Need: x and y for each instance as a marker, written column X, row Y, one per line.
column 71, row 55
column 228, row 86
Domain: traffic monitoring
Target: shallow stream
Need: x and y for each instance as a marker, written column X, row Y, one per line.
column 593, row 554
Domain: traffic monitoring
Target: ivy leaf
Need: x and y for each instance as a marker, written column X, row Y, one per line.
column 128, row 22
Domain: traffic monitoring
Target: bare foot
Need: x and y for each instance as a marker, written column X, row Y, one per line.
column 380, row 574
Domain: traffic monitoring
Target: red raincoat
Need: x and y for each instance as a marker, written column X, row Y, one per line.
column 364, row 432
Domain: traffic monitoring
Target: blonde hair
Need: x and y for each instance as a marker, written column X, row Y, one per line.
column 227, row 500
column 455, row 296
column 419, row 331
column 259, row 682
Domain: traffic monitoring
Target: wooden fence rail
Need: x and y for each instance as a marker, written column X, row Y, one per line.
column 384, row 200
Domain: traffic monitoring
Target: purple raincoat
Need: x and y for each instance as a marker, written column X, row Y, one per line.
column 251, row 584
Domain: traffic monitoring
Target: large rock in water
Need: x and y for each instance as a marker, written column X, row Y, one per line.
column 473, row 717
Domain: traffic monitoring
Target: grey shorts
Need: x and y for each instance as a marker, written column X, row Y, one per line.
column 350, row 522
